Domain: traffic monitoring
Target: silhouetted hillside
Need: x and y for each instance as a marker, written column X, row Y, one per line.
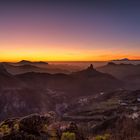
column 19, row 69
column 15, row 68
column 25, row 101
column 83, row 82
column 120, row 70
column 7, row 80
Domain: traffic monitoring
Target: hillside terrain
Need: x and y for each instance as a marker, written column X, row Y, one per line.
column 97, row 102
column 49, row 90
column 129, row 73
column 110, row 116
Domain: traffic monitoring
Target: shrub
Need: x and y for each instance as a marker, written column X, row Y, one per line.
column 5, row 129
column 68, row 136
column 104, row 137
column 16, row 127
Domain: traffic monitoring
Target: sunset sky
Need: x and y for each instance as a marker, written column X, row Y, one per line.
column 75, row 30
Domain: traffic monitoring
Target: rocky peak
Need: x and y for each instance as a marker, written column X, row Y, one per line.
column 90, row 71
column 90, row 67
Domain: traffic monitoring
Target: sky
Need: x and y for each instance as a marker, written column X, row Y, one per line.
column 69, row 30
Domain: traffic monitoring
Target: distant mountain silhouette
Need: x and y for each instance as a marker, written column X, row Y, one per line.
column 24, row 62
column 124, row 59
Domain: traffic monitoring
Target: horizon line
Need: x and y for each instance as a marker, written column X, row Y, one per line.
column 72, row 60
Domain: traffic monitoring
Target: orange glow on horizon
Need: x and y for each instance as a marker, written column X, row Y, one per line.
column 33, row 52
column 61, row 56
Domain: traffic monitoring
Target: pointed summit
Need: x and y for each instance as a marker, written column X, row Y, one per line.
column 24, row 62
column 90, row 71
column 91, row 67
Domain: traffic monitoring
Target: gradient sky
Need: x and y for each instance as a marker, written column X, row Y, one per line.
column 54, row 30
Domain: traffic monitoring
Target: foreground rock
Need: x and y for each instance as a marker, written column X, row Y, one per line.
column 37, row 127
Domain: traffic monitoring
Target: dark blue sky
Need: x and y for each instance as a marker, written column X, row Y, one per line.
column 102, row 28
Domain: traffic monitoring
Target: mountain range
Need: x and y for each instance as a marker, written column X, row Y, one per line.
column 97, row 99
column 18, row 91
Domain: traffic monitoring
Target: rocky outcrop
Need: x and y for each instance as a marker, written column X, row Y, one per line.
column 37, row 127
